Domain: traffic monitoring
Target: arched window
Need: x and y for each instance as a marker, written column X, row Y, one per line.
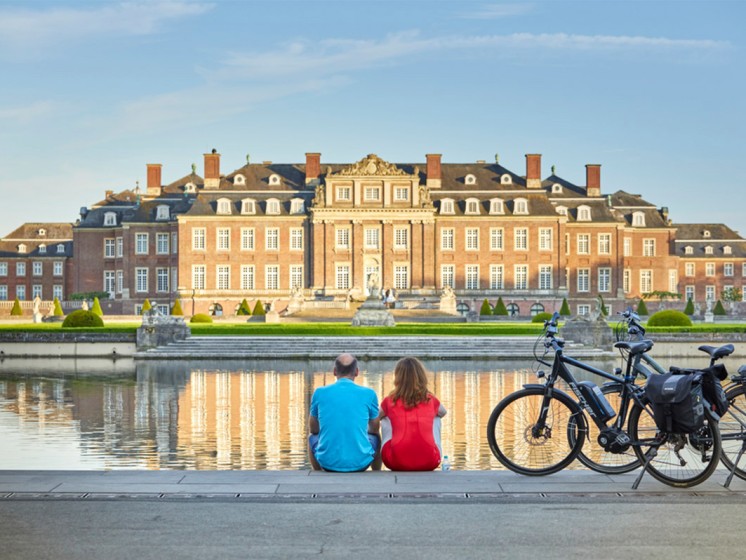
column 297, row 206
column 506, row 179
column 462, row 308
column 274, row 179
column 562, row 210
column 190, row 188
column 162, row 212
column 60, row 248
column 224, row 206
column 556, row 188
column 446, row 206
column 110, row 218
column 239, row 179
column 248, row 206
column 521, row 206
column 470, row 179
column 496, row 206
column 513, row 309
column 584, row 214
column 638, row 219
column 42, row 249
column 472, row 206
column 536, row 309
column 273, row 206
column 706, row 233
column 42, row 232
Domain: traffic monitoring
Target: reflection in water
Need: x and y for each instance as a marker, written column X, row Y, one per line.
column 193, row 415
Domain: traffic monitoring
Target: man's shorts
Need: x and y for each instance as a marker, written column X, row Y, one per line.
column 313, row 442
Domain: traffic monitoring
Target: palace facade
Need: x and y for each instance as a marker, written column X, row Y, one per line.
column 267, row 231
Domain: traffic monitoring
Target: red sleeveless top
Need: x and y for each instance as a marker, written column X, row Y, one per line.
column 412, row 445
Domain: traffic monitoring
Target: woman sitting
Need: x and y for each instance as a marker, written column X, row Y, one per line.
column 410, row 421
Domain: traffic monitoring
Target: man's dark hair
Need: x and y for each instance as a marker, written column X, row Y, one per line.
column 345, row 369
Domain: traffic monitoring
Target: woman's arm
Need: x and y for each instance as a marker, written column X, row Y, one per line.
column 442, row 411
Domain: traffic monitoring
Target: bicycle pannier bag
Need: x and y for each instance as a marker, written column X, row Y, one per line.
column 713, row 390
column 677, row 402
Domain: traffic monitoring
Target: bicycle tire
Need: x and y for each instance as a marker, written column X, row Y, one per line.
column 676, row 449
column 512, row 443
column 593, row 456
column 732, row 430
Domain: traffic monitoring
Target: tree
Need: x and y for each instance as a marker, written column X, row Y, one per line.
column 719, row 309
column 244, row 308
column 486, row 308
column 689, row 309
column 176, row 309
column 565, row 309
column 500, row 308
column 642, row 309
column 97, row 307
column 146, row 306
column 731, row 295
column 16, row 310
column 58, row 308
column 259, row 308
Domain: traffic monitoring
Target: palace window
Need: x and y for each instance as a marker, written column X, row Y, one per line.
column 272, row 239
column 109, row 282
column 646, row 281
column 472, row 206
column 274, row 179
column 198, row 239
column 247, row 239
column 545, row 239
column 604, row 279
column 648, row 247
column 708, row 250
column 673, row 281
column 141, row 279
column 37, row 268
column 638, row 219
column 198, row 277
column 584, row 244
column 604, row 244
column 20, row 269
column 497, row 277
column 710, row 269
column 446, row 239
column 297, row 206
column 108, row 248
column 521, row 206
column 343, row 277
column 584, row 279
column 627, row 280
column 472, row 277
column 506, row 179
column 344, row 193
column 224, row 206
column 296, row 239
column 141, row 243
column 22, row 248
column 162, row 212
column 372, row 194
column 372, row 238
column 689, row 269
column 223, row 277
column 60, row 248
column 3, row 292
column 57, row 268
column 688, row 250
column 521, row 277
column 190, row 188
column 446, row 206
column 689, row 293
column 248, row 206
column 110, row 218
column 470, row 179
column 3, row 269
column 545, row 277
column 296, row 276
column 472, row 239
column 239, row 179
column 497, row 237
column 520, row 240
column 161, row 280
column 401, row 238
column 273, row 206
column 343, row 238
column 562, row 210
column 584, row 213
column 497, row 206
column 224, row 239
column 401, row 277
column 21, row 292
column 401, row 194
column 161, row 243
column 556, row 188
column 710, row 293
column 272, row 277
column 726, row 250
column 447, row 276
column 42, row 249
column 247, row 276
column 56, row 292
column 728, row 269
column 120, row 246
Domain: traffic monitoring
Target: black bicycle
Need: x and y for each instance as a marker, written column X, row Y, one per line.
column 541, row 429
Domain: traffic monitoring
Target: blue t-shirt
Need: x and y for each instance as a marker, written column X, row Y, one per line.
column 343, row 411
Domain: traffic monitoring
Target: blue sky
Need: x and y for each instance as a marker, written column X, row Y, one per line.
column 653, row 91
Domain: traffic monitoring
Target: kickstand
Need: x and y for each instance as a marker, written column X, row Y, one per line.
column 652, row 452
column 735, row 465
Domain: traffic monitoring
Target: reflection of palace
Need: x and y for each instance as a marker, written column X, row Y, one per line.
column 234, row 419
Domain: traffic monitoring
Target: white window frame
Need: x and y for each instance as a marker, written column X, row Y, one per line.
column 472, row 206
column 162, row 277
column 401, row 237
column 604, row 279
column 471, row 236
column 689, row 292
column 710, row 269
column 223, row 206
column 3, row 268
column 120, row 281
column 141, row 280
column 627, row 280
column 342, row 237
column 583, row 243
column 110, row 282
column 604, row 243
column 689, row 269
column 446, row 206
column 520, row 277
column 648, row 247
column 638, row 219
column 520, row 239
column 37, row 268
column 162, row 212
column 21, row 292
column 223, row 239
column 248, row 277
column 248, row 239
column 520, row 206
column 447, row 276
column 646, row 281
column 109, row 247
column 36, row 290
column 20, row 269
column 296, row 239
column 57, row 291
column 673, row 280
column 273, row 207
column 272, row 277
column 401, row 194
column 110, row 219
column 627, row 246
column 296, row 276
column 248, row 206
column 497, row 206
column 342, row 276
column 344, row 193
column 497, row 277
column 372, row 238
column 447, row 239
column 545, row 239
column 120, row 246
column 710, row 293
column 497, row 239
column 162, row 243
column 584, row 214
column 372, row 194
column 729, row 269
column 545, row 276
column 401, row 276
column 3, row 292
column 471, row 276
column 272, row 239
column 58, row 268
column 199, row 277
column 223, row 277
column 583, row 280
column 199, row 238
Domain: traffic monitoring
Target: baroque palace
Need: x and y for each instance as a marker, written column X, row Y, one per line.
column 319, row 232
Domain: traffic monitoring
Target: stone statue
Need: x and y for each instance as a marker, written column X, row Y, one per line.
column 37, row 304
column 448, row 293
column 194, row 169
column 374, row 288
column 248, row 159
column 319, row 197
column 497, row 158
column 425, row 196
column 84, row 307
column 448, row 301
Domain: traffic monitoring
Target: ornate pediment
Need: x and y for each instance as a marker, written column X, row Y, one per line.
column 371, row 165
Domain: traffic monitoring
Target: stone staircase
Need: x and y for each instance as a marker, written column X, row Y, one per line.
column 364, row 347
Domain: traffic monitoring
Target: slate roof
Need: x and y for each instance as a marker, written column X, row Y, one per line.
column 30, row 232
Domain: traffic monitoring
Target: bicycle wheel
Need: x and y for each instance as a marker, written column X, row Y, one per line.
column 594, row 456
column 733, row 431
column 526, row 448
column 682, row 460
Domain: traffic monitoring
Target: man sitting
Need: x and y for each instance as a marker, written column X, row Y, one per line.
column 344, row 423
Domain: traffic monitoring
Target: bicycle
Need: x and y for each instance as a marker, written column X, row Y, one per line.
column 540, row 429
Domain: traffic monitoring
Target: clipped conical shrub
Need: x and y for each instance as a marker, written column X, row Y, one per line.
column 146, row 306
column 176, row 309
column 97, row 307
column 642, row 309
column 58, row 308
column 565, row 309
column 244, row 308
column 719, row 309
column 16, row 310
column 259, row 308
column 486, row 308
column 689, row 309
column 500, row 308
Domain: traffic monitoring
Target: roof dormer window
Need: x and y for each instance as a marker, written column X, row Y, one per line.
column 60, row 248
column 239, row 179
column 273, row 206
column 708, row 250
column 297, row 206
column 224, row 206
column 506, row 179
column 688, row 250
column 42, row 249
column 638, row 219
column 521, row 206
column 584, row 214
column 706, row 234
column 190, row 188
column 274, row 179
column 162, row 212
column 470, row 179
column 42, row 232
column 556, row 188
column 472, row 206
column 22, row 248
column 496, row 206
column 248, row 206
column 562, row 210
column 727, row 250
column 110, row 219
column 446, row 206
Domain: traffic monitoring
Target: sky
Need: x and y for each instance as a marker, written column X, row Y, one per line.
column 93, row 91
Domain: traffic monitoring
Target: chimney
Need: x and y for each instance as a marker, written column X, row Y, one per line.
column 154, row 179
column 212, row 170
column 593, row 180
column 313, row 168
column 533, row 171
column 433, row 173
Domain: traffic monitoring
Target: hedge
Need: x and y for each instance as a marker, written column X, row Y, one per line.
column 82, row 318
column 541, row 317
column 201, row 318
column 669, row 318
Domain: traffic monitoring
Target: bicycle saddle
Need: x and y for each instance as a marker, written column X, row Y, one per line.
column 635, row 348
column 742, row 370
column 719, row 352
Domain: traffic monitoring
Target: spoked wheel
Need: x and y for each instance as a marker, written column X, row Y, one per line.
column 524, row 446
column 681, row 460
column 594, row 456
column 733, row 432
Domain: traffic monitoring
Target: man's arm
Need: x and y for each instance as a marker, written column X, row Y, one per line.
column 374, row 426
column 313, row 425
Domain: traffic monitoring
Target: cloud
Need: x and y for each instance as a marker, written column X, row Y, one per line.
column 498, row 11
column 22, row 30
column 26, row 113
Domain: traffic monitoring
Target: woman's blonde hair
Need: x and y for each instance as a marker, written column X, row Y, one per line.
column 410, row 382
